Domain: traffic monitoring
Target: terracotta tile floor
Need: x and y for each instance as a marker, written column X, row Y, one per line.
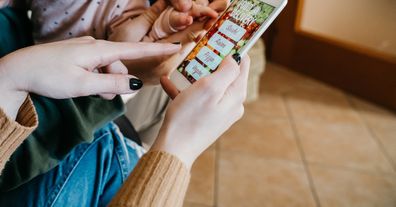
column 303, row 143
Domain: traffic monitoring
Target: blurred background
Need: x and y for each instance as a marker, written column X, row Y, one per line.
column 320, row 123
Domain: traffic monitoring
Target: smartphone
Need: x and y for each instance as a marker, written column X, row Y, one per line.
column 236, row 30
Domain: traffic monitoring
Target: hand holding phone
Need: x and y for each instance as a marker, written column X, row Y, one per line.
column 237, row 29
column 200, row 114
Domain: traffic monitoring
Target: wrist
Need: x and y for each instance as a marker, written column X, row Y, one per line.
column 11, row 98
column 174, row 146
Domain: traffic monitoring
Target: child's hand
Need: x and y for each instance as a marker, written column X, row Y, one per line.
column 219, row 6
column 199, row 10
column 129, row 29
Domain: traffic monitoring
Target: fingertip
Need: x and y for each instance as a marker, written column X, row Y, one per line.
column 182, row 5
column 213, row 14
column 190, row 20
column 162, row 79
column 182, row 20
column 169, row 87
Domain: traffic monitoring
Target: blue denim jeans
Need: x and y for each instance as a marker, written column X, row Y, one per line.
column 90, row 175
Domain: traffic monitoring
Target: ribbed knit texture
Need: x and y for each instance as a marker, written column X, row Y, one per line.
column 13, row 133
column 159, row 179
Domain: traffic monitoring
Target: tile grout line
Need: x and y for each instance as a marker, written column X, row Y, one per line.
column 200, row 204
column 302, row 153
column 372, row 134
column 354, row 170
column 216, row 177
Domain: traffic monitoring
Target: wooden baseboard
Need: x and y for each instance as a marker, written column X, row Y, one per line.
column 359, row 71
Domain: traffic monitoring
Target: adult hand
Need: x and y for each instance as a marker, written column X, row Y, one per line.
column 201, row 113
column 150, row 69
column 65, row 69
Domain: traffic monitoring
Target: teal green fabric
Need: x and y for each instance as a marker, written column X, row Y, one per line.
column 14, row 25
column 62, row 123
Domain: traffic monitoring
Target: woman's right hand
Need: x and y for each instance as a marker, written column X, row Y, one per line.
column 64, row 69
column 200, row 114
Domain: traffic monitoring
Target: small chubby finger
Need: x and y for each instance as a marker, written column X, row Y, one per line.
column 180, row 20
column 219, row 5
column 186, row 36
column 182, row 5
column 202, row 2
column 206, row 11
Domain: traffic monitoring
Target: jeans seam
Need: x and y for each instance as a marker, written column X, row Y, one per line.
column 61, row 185
column 121, row 159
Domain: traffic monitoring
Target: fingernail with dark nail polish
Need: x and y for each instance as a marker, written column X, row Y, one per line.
column 237, row 58
column 176, row 43
column 135, row 84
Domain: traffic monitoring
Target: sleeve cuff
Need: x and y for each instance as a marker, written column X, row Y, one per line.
column 14, row 132
column 159, row 179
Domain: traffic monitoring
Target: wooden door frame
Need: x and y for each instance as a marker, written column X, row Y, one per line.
column 360, row 71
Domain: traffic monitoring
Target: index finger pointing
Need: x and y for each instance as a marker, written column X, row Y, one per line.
column 103, row 53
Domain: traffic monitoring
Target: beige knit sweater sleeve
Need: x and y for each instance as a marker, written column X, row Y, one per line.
column 159, row 179
column 13, row 133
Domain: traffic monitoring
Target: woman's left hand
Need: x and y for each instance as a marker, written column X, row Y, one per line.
column 65, row 69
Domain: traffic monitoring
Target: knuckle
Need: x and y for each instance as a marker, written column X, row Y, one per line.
column 211, row 89
column 205, row 84
column 116, row 85
column 82, row 87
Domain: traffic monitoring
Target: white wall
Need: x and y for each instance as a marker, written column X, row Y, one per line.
column 367, row 23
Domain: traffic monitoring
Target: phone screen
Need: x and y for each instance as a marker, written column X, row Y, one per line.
column 227, row 36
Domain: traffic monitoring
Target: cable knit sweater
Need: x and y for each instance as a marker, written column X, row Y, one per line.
column 159, row 179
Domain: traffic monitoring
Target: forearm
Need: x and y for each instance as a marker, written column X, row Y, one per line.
column 159, row 179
